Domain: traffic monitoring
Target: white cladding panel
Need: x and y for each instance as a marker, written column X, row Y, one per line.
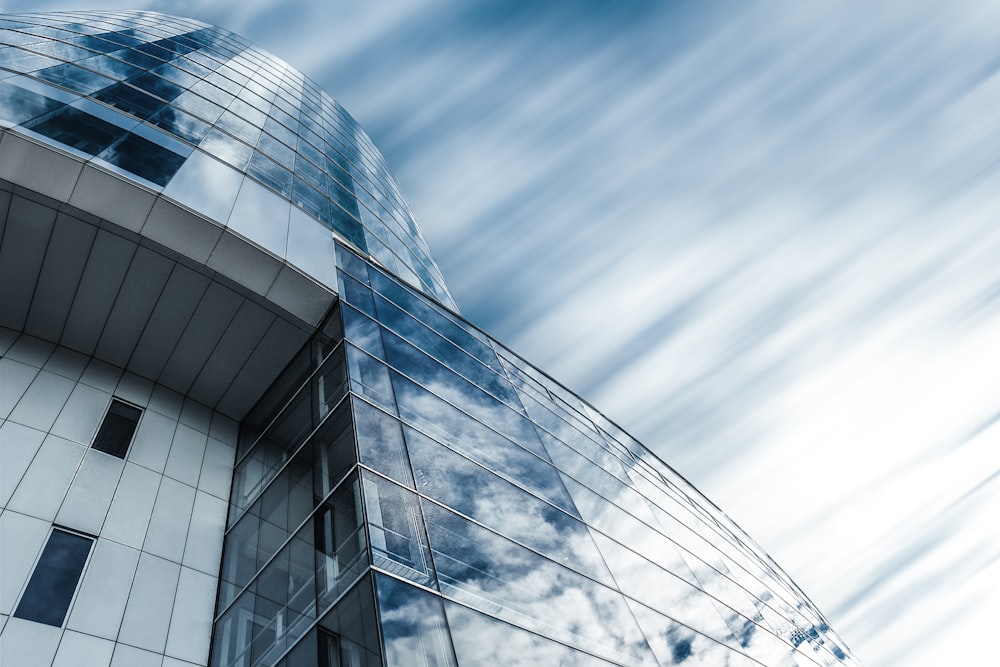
column 158, row 516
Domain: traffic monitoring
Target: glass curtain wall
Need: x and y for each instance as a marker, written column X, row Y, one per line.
column 475, row 512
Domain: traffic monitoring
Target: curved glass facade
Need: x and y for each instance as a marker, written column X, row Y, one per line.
column 476, row 512
column 151, row 96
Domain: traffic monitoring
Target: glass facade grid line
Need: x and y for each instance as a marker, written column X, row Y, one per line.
column 305, row 632
column 276, row 473
column 581, row 573
column 692, row 507
column 317, row 366
column 349, row 589
column 284, row 544
column 657, row 528
column 459, row 408
column 447, row 364
column 233, row 69
column 608, row 448
column 548, row 638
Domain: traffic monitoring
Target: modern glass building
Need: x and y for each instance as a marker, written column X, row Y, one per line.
column 243, row 423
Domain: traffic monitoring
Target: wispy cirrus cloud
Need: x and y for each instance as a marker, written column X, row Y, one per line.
column 762, row 238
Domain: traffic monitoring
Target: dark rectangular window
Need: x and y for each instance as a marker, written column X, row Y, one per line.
column 117, row 429
column 53, row 583
column 80, row 130
column 144, row 158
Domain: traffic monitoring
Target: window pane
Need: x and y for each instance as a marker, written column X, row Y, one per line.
column 80, row 130
column 117, row 429
column 54, row 580
column 144, row 158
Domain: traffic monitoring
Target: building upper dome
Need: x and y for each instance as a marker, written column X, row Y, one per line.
column 201, row 117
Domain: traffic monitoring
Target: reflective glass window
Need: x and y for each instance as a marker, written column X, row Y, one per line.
column 18, row 105
column 53, row 582
column 414, row 628
column 461, row 335
column 444, row 350
column 428, row 413
column 111, row 67
column 370, row 378
column 494, row 575
column 380, row 442
column 270, row 173
column 75, row 78
column 348, row 633
column 155, row 85
column 502, row 506
column 198, row 106
column 116, row 431
column 79, row 130
column 460, row 392
column 144, row 158
column 396, row 529
column 310, row 200
column 480, row 639
column 226, row 148
column 180, row 124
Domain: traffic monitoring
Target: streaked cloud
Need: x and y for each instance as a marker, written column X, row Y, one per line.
column 761, row 237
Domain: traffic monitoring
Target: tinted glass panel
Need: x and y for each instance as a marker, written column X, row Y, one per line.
column 18, row 105
column 74, row 78
column 52, row 584
column 413, row 626
column 80, row 130
column 130, row 100
column 117, row 429
column 144, row 158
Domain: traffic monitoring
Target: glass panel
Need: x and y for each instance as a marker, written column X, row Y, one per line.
column 75, row 78
column 227, row 148
column 507, row 509
column 130, row 100
column 313, row 568
column 358, row 329
column 53, row 583
column 199, row 106
column 370, row 378
column 79, row 130
column 145, row 159
column 461, row 335
column 496, row 576
column 304, row 412
column 482, row 640
column 316, row 469
column 414, row 627
column 180, row 124
column 348, row 634
column 18, row 105
column 380, row 442
column 334, row 451
column 444, row 350
column 117, row 429
column 467, row 436
column 460, row 392
column 271, row 174
column 155, row 85
column 683, row 601
column 396, row 530
column 673, row 643
column 341, row 547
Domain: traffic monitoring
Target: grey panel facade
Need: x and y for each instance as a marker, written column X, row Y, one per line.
column 331, row 466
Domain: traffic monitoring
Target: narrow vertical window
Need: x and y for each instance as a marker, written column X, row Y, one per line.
column 117, row 429
column 53, row 583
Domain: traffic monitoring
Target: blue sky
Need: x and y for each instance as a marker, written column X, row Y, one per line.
column 760, row 236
